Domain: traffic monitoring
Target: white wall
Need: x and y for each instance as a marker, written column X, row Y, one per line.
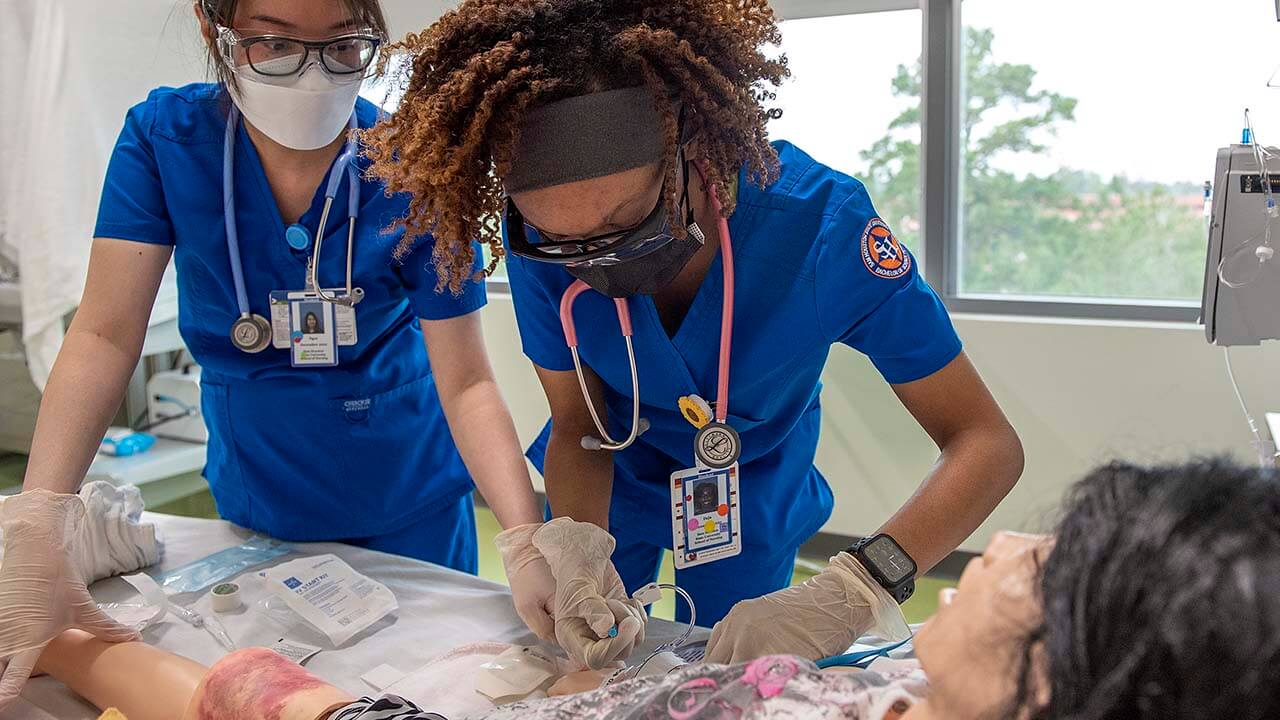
column 1078, row 393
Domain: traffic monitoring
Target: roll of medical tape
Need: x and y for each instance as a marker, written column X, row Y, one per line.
column 225, row 597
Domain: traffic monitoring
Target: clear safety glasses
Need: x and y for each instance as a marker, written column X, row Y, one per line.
column 345, row 58
column 654, row 232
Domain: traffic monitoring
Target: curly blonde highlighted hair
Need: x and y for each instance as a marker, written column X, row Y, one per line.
column 481, row 68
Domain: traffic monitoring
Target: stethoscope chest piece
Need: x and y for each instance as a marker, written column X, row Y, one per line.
column 251, row 333
column 717, row 445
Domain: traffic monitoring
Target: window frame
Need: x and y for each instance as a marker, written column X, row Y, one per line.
column 942, row 182
column 942, row 176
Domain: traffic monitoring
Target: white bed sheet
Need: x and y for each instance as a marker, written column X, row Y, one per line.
column 439, row 609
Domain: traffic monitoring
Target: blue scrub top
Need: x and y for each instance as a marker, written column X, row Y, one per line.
column 814, row 266
column 354, row 451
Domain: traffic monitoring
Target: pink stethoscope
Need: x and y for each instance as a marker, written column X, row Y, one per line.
column 717, row 444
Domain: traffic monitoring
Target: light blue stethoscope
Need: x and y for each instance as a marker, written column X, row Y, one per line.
column 251, row 332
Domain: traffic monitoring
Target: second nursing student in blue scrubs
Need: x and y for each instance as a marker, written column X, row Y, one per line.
column 319, row 429
column 617, row 130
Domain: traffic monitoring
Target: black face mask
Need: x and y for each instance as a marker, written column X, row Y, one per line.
column 649, row 273
column 643, row 275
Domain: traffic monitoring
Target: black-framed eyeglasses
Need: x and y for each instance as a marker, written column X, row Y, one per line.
column 347, row 56
column 652, row 233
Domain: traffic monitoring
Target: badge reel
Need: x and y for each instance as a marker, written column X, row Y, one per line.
column 705, row 523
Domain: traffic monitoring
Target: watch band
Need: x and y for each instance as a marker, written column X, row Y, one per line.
column 900, row 592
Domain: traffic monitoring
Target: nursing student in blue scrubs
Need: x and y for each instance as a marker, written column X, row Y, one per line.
column 615, row 129
column 371, row 437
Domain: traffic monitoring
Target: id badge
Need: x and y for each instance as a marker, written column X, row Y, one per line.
column 705, row 523
column 281, row 330
column 313, row 340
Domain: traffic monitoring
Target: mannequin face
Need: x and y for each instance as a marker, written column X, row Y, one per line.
column 973, row 649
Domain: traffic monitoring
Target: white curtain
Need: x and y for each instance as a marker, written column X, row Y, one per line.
column 76, row 66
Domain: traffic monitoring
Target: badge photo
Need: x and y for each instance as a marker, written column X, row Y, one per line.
column 705, row 523
column 313, row 336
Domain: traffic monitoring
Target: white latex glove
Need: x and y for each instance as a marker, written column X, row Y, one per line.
column 41, row 590
column 819, row 618
column 590, row 597
column 532, row 586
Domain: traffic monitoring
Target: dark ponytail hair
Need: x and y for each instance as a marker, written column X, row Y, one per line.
column 1161, row 598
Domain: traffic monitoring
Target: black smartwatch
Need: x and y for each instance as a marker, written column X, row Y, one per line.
column 888, row 563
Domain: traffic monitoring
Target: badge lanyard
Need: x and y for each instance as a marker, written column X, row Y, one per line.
column 251, row 332
column 717, row 445
column 705, row 523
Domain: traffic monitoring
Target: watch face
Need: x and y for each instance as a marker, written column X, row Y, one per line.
column 892, row 562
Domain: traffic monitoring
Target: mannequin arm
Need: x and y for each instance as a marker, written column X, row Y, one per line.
column 143, row 682
column 147, row 683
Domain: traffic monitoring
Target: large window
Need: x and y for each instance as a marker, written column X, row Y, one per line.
column 1087, row 132
column 853, row 103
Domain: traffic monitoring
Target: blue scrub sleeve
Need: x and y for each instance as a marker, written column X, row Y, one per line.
column 538, row 314
column 133, row 204
column 870, row 296
column 418, row 273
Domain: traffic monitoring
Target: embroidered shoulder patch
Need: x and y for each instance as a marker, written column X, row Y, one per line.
column 881, row 252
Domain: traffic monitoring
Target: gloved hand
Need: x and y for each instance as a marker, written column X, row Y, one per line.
column 590, row 597
column 41, row 590
column 819, row 618
column 532, row 586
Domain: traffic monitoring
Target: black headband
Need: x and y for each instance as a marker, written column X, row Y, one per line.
column 586, row 137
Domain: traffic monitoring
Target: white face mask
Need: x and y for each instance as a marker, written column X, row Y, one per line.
column 307, row 113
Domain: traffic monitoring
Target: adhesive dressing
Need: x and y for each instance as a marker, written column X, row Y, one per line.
column 329, row 595
column 448, row 680
column 135, row 616
column 515, row 674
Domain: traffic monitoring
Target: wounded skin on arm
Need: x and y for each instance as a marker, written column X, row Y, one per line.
column 258, row 684
column 981, row 461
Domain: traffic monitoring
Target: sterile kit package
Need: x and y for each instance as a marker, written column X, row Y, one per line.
column 207, row 571
column 329, row 595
